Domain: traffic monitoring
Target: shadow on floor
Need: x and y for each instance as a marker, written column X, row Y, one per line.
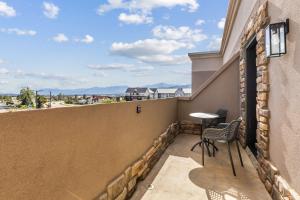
column 179, row 175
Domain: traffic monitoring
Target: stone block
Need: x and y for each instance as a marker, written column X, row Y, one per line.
column 163, row 137
column 128, row 174
column 263, row 126
column 263, row 119
column 115, row 188
column 137, row 167
column 262, row 174
column 276, row 194
column 265, row 77
column 264, row 112
column 261, row 87
column 143, row 174
column 260, row 35
column 273, row 171
column 260, row 48
column 262, row 96
column 157, row 142
column 261, row 59
column 259, row 79
column 264, row 138
column 150, row 153
column 268, row 186
column 103, row 197
column 131, row 184
column 122, row 196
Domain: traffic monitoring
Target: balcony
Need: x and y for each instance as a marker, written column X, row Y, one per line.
column 179, row 174
column 113, row 152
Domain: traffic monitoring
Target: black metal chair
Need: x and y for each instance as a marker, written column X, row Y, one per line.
column 221, row 119
column 222, row 113
column 224, row 133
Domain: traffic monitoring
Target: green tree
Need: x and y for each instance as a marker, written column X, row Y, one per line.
column 8, row 100
column 40, row 101
column 26, row 97
column 68, row 100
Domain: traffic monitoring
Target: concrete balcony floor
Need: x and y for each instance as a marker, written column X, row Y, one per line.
column 179, row 175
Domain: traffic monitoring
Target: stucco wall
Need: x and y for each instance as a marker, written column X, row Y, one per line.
column 202, row 68
column 71, row 153
column 284, row 100
column 199, row 77
column 244, row 12
column 223, row 92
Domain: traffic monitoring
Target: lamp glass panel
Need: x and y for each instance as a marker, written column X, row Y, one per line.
column 275, row 40
column 282, row 39
column 267, row 41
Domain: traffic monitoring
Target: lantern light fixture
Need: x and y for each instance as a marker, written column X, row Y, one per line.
column 275, row 38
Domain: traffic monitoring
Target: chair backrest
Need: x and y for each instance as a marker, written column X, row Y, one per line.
column 232, row 129
column 222, row 113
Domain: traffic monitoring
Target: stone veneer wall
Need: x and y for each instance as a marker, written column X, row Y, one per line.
column 269, row 175
column 123, row 186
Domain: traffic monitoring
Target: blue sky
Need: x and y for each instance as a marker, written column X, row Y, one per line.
column 78, row 44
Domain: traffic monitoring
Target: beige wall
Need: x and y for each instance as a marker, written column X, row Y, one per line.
column 203, row 67
column 284, row 85
column 71, row 153
column 199, row 77
column 284, row 100
column 223, row 92
column 244, row 12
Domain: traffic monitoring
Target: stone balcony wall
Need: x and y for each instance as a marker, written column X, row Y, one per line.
column 123, row 186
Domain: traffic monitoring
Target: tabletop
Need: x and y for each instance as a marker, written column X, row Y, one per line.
column 203, row 115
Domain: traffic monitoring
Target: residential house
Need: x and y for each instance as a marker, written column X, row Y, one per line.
column 163, row 93
column 154, row 93
column 138, row 94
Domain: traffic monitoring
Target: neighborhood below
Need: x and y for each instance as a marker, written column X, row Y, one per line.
column 29, row 99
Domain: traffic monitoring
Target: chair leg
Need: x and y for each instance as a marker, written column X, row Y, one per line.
column 230, row 156
column 206, row 142
column 198, row 143
column 202, row 146
column 240, row 156
column 213, row 144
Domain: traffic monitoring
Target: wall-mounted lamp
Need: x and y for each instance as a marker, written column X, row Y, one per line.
column 138, row 109
column 275, row 38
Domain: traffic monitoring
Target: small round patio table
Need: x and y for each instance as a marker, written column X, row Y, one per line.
column 204, row 116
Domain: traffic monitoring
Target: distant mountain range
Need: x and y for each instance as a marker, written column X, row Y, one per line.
column 111, row 90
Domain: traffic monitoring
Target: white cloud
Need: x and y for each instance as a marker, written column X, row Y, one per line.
column 18, row 31
column 50, row 10
column 164, row 59
column 120, row 67
column 60, row 38
column 2, row 82
column 147, row 6
column 182, row 33
column 4, row 71
column 42, row 75
column 6, row 10
column 87, row 39
column 221, row 23
column 114, row 66
column 1, row 61
column 147, row 47
column 215, row 43
column 135, row 18
column 199, row 22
